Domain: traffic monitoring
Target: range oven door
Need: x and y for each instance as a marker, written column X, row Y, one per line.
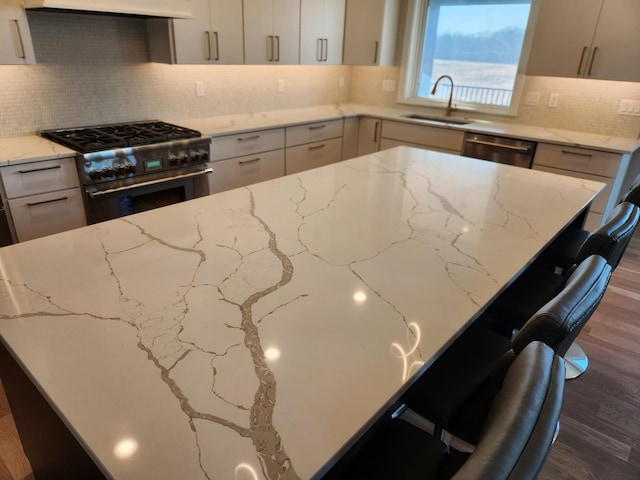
column 119, row 201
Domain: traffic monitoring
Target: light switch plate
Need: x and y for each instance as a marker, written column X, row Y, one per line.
column 629, row 107
column 553, row 100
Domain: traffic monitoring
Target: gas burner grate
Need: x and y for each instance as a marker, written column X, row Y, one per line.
column 108, row 137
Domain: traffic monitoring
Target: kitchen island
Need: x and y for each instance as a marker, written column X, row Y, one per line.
column 254, row 334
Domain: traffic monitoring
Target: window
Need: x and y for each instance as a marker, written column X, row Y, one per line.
column 478, row 43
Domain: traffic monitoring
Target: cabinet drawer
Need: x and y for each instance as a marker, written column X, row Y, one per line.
column 39, row 177
column 314, row 132
column 600, row 202
column 305, row 157
column 441, row 138
column 577, row 159
column 48, row 213
column 386, row 143
column 231, row 146
column 242, row 171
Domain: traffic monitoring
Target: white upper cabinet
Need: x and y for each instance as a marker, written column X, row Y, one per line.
column 370, row 32
column 322, row 31
column 212, row 36
column 16, row 47
column 272, row 31
column 154, row 8
column 587, row 38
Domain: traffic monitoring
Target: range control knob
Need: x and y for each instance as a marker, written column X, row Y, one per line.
column 107, row 172
column 94, row 174
column 184, row 159
column 173, row 160
column 129, row 168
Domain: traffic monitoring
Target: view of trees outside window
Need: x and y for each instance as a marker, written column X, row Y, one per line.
column 476, row 42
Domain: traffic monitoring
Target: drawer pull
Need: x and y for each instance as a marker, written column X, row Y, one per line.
column 317, row 127
column 35, row 204
column 253, row 160
column 246, row 139
column 21, row 43
column 55, row 167
column 317, row 147
column 579, row 154
column 584, row 50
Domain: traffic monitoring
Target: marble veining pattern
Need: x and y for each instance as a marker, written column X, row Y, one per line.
column 250, row 334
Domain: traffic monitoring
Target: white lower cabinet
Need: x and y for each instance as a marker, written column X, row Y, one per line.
column 445, row 140
column 313, row 155
column 313, row 145
column 242, row 171
column 246, row 158
column 43, row 197
column 588, row 164
column 48, row 213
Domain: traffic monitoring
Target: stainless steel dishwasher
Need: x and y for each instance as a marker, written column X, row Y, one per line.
column 508, row 151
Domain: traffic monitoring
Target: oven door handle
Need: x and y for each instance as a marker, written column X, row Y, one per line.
column 151, row 182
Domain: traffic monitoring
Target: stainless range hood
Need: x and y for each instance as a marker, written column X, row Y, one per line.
column 145, row 8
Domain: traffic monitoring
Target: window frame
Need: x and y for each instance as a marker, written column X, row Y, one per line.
column 415, row 25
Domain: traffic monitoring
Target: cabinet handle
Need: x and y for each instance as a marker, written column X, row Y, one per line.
column 375, row 53
column 319, row 50
column 253, row 160
column 270, row 48
column 35, row 204
column 584, row 51
column 217, row 49
column 277, row 37
column 317, row 147
column 326, row 49
column 375, row 132
column 55, row 167
column 317, row 127
column 246, row 139
column 593, row 56
column 579, row 154
column 208, row 42
column 20, row 42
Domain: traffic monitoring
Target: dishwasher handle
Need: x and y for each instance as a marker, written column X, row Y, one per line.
column 499, row 145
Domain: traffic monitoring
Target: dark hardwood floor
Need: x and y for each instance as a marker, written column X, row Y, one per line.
column 600, row 424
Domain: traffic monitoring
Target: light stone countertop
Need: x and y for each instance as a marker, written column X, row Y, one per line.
column 32, row 148
column 230, row 124
column 285, row 314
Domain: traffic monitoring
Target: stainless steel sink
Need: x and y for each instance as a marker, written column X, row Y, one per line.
column 438, row 119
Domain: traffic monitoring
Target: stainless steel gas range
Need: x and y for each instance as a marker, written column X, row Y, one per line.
column 131, row 167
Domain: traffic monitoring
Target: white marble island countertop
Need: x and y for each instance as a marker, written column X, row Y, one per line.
column 250, row 334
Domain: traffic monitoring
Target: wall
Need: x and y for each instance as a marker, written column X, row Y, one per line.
column 584, row 105
column 95, row 70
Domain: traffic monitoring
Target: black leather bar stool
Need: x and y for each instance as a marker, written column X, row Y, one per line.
column 462, row 371
column 543, row 280
column 516, row 432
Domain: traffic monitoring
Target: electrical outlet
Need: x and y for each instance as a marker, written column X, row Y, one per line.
column 553, row 100
column 532, row 98
column 199, row 89
column 388, row 85
column 629, row 107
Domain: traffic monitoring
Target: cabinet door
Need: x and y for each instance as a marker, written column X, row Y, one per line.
column 192, row 36
column 564, row 32
column 272, row 31
column 370, row 32
column 321, row 31
column 616, row 45
column 227, row 40
column 16, row 47
column 369, row 135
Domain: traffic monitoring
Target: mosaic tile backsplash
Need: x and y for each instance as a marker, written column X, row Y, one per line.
column 95, row 69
